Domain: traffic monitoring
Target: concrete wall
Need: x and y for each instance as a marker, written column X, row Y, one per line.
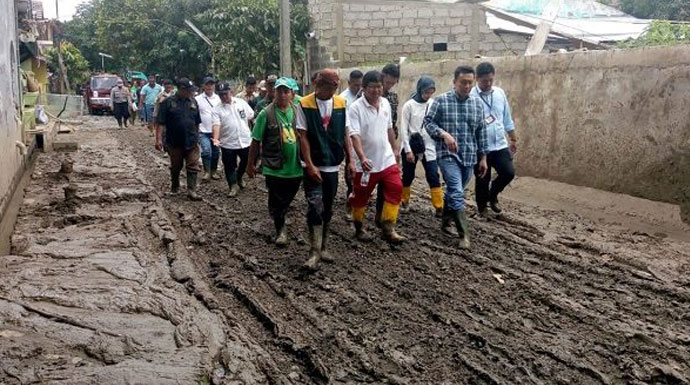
column 10, row 131
column 352, row 32
column 613, row 120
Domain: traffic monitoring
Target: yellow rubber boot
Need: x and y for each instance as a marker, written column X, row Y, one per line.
column 405, row 203
column 389, row 217
column 437, row 200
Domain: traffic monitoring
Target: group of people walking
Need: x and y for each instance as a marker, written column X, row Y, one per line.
column 308, row 141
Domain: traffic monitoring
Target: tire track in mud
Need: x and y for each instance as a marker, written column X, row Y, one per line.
column 579, row 304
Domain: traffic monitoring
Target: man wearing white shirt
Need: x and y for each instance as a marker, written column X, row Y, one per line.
column 378, row 156
column 322, row 127
column 499, row 124
column 232, row 134
column 354, row 85
column 207, row 101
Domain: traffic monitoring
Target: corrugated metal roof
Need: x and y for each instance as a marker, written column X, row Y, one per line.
column 586, row 20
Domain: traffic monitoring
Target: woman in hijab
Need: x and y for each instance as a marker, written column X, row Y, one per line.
column 418, row 145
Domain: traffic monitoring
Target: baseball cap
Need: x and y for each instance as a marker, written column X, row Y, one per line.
column 271, row 79
column 209, row 79
column 293, row 84
column 185, row 83
column 283, row 82
column 223, row 88
column 262, row 85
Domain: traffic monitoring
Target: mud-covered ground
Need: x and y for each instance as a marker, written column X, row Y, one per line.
column 544, row 297
column 564, row 302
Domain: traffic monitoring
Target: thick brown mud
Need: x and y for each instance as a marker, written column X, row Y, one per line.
column 544, row 297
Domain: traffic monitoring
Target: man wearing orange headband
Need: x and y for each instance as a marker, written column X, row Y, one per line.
column 323, row 134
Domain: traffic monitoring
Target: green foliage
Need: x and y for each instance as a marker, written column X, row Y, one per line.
column 76, row 66
column 656, row 9
column 150, row 35
column 661, row 33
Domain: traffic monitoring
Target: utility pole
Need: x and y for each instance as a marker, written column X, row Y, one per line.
column 285, row 39
column 207, row 41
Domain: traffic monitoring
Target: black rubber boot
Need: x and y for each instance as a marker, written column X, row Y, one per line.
column 447, row 222
column 191, row 186
column 463, row 229
column 326, row 255
column 175, row 182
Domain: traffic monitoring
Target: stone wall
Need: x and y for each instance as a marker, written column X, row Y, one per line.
column 613, row 120
column 353, row 32
column 10, row 131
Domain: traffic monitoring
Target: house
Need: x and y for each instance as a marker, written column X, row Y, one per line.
column 348, row 33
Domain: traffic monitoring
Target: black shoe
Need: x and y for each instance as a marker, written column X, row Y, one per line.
column 494, row 206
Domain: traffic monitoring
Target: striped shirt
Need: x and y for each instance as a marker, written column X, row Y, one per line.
column 463, row 119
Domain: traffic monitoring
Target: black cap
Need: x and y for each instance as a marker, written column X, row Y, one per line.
column 223, row 88
column 185, row 83
column 209, row 79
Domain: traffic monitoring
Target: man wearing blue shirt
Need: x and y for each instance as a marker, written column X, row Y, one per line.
column 499, row 123
column 455, row 121
column 147, row 100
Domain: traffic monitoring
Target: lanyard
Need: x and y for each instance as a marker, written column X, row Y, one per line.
column 491, row 105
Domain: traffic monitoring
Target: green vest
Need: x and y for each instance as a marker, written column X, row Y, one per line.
column 327, row 144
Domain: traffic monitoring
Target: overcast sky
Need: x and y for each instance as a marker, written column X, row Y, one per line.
column 67, row 8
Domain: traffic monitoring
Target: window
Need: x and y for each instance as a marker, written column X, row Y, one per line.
column 440, row 47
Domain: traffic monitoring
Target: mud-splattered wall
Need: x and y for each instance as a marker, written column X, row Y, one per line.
column 10, row 131
column 613, row 120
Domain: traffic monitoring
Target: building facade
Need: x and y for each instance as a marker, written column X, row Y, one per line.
column 357, row 32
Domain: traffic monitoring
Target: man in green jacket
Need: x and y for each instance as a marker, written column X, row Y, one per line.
column 274, row 135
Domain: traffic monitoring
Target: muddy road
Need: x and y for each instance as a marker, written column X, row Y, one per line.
column 544, row 297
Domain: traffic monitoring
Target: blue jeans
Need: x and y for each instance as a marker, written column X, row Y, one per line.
column 147, row 113
column 456, row 177
column 209, row 152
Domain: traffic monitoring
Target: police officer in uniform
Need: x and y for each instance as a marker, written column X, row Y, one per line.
column 179, row 118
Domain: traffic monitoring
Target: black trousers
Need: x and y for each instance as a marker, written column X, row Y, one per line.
column 281, row 193
column 320, row 197
column 430, row 171
column 487, row 190
column 233, row 171
column 121, row 112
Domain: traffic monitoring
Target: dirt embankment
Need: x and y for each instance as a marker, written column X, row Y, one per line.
column 544, row 297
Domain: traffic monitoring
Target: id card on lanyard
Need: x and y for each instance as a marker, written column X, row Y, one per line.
column 489, row 103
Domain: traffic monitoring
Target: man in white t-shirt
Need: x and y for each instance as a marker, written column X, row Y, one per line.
column 322, row 127
column 232, row 134
column 378, row 157
column 207, row 101
column 354, row 85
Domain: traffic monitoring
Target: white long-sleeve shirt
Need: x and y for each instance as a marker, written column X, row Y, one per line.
column 412, row 121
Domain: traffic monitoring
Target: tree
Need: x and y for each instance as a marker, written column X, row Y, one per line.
column 150, row 35
column 661, row 33
column 655, row 9
column 76, row 66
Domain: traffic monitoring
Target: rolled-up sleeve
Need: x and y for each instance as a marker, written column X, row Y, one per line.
column 432, row 119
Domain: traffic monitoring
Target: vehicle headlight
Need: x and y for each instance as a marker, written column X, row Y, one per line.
column 95, row 94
